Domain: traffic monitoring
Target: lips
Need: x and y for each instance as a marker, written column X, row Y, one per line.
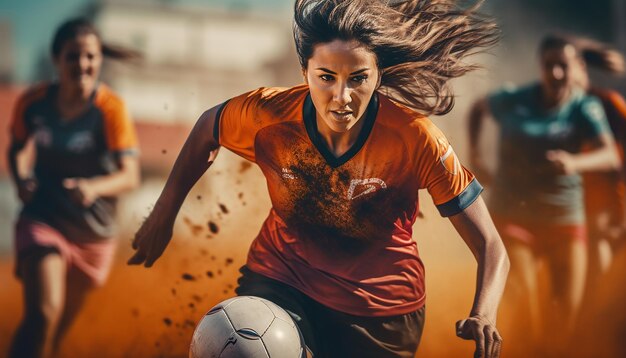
column 80, row 76
column 342, row 115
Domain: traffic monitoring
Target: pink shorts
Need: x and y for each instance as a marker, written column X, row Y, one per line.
column 91, row 259
column 538, row 236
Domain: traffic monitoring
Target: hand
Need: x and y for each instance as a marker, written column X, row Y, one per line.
column 481, row 330
column 151, row 239
column 562, row 161
column 616, row 236
column 80, row 191
column 26, row 189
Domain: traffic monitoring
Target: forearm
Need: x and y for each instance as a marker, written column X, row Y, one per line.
column 180, row 181
column 479, row 233
column 493, row 267
column 20, row 160
column 605, row 158
column 12, row 161
column 196, row 156
column 115, row 183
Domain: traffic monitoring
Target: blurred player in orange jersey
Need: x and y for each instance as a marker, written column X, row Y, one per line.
column 604, row 191
column 86, row 154
column 537, row 192
column 345, row 155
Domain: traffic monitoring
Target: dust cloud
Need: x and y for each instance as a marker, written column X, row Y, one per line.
column 152, row 312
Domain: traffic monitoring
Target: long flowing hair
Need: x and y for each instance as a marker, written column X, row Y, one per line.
column 420, row 45
column 73, row 28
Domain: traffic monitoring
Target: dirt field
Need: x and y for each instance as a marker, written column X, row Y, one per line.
column 152, row 312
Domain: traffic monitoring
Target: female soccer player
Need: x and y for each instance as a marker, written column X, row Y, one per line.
column 537, row 194
column 344, row 156
column 85, row 156
column 604, row 191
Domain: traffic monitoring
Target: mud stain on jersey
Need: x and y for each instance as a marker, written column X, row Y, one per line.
column 319, row 206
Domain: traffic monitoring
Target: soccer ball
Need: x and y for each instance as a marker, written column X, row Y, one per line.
column 247, row 327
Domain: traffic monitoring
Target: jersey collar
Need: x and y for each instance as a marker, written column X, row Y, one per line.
column 309, row 116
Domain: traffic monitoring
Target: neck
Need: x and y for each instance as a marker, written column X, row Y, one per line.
column 72, row 102
column 73, row 95
column 585, row 84
column 339, row 142
column 555, row 99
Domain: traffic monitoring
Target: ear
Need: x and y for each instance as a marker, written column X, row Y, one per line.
column 379, row 80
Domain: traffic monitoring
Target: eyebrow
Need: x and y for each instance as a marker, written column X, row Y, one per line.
column 334, row 73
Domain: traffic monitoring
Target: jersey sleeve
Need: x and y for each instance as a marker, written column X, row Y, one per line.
column 452, row 187
column 20, row 127
column 119, row 130
column 593, row 118
column 618, row 105
column 238, row 123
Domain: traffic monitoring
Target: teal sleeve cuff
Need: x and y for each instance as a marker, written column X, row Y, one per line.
column 461, row 201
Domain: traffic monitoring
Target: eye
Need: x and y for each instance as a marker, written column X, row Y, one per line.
column 359, row 78
column 72, row 56
column 326, row 78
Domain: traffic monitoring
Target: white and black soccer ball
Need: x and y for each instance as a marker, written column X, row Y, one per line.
column 247, row 327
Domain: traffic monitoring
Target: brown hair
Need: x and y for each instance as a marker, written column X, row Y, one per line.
column 78, row 27
column 594, row 53
column 419, row 44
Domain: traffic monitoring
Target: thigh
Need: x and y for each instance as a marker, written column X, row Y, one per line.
column 567, row 259
column 33, row 241
column 43, row 274
column 77, row 289
column 523, row 275
column 523, row 243
column 91, row 262
column 84, row 259
column 343, row 335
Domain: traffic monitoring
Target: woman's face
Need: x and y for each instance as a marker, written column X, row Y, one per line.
column 342, row 77
column 79, row 62
column 561, row 69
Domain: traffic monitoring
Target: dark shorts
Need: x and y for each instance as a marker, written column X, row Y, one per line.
column 330, row 333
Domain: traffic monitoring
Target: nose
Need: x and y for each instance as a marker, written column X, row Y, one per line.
column 84, row 62
column 557, row 72
column 342, row 94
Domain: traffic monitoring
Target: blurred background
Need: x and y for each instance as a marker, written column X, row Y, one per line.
column 198, row 53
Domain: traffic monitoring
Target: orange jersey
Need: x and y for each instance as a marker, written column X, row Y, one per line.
column 340, row 229
column 604, row 191
column 83, row 147
column 117, row 129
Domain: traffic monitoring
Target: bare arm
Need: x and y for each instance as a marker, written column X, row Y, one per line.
column 126, row 178
column 603, row 157
column 12, row 154
column 198, row 153
column 19, row 159
column 479, row 233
